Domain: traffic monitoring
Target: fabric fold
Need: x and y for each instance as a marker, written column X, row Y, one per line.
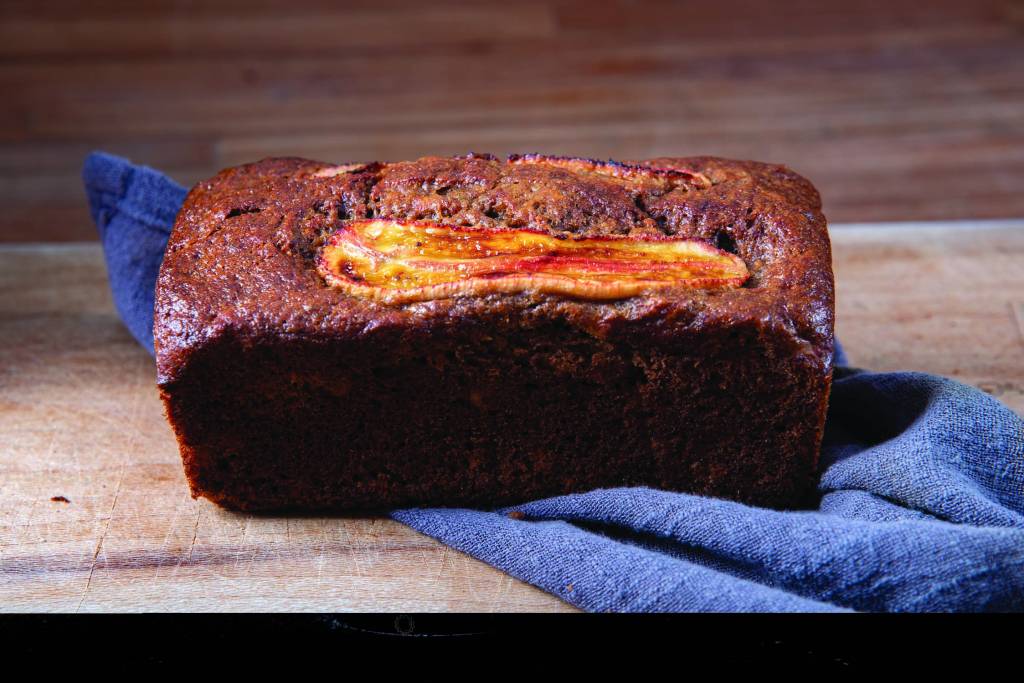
column 133, row 208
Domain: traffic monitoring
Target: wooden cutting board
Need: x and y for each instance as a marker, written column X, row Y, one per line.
column 80, row 418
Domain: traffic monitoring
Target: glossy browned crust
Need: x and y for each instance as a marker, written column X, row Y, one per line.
column 286, row 393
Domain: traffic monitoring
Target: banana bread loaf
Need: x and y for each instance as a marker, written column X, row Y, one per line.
column 475, row 331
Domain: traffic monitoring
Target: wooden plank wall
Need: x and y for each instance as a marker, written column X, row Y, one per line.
column 898, row 110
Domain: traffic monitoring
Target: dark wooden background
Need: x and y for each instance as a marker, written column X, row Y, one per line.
column 897, row 110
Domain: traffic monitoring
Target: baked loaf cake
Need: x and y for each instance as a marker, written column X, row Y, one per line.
column 474, row 331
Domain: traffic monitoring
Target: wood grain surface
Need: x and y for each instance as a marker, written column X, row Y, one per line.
column 897, row 109
column 80, row 418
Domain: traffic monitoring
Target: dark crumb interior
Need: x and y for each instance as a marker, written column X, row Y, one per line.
column 498, row 417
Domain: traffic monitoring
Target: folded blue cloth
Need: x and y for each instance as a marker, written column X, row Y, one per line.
column 922, row 488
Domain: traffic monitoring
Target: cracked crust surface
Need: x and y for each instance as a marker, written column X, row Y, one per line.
column 239, row 277
column 244, row 245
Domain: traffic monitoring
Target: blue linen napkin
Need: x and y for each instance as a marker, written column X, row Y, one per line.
column 922, row 487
